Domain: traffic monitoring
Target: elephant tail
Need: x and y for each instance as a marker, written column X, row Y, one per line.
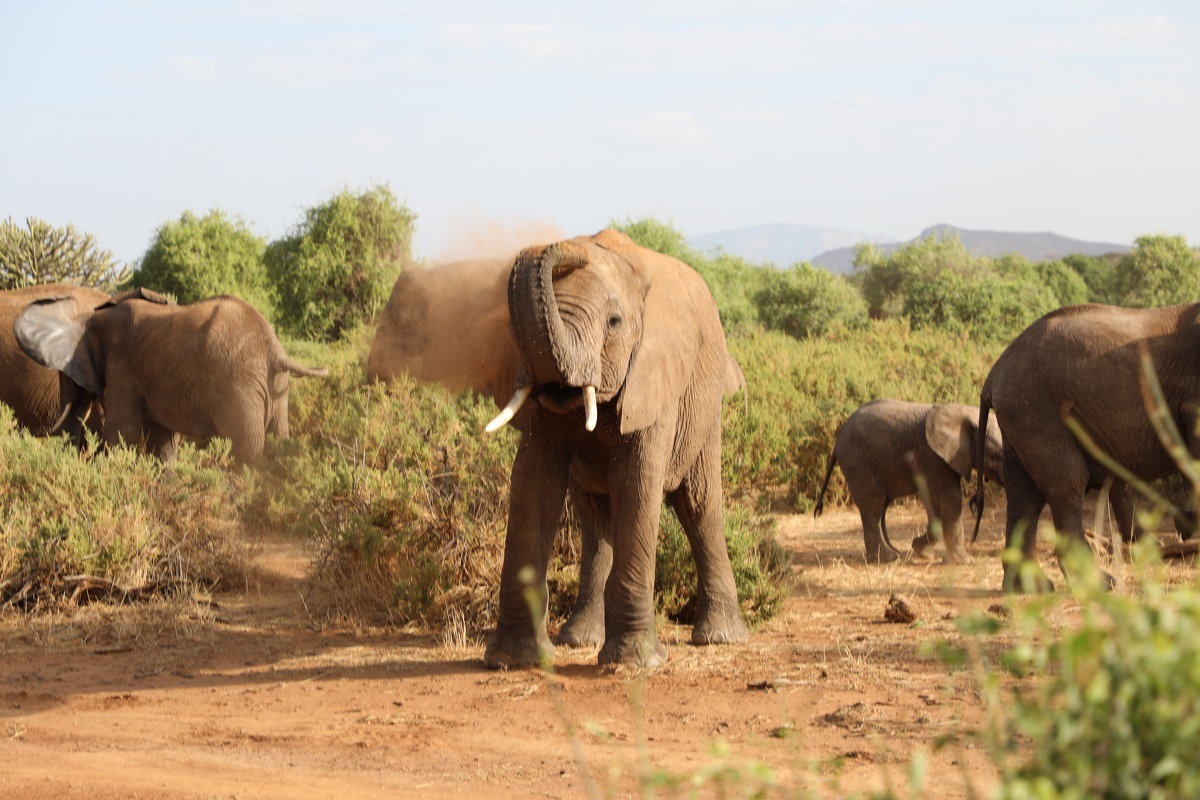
column 282, row 362
column 825, row 484
column 985, row 409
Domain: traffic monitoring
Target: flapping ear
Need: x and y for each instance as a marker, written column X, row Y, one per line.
column 51, row 332
column 950, row 431
column 663, row 363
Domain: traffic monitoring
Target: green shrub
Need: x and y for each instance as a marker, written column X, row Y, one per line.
column 40, row 253
column 336, row 269
column 989, row 308
column 117, row 517
column 778, row 437
column 1107, row 708
column 887, row 279
column 195, row 257
column 806, row 301
column 1159, row 271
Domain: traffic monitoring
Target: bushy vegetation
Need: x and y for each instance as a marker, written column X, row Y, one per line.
column 335, row 270
column 41, row 253
column 120, row 520
column 193, row 257
column 1108, row 707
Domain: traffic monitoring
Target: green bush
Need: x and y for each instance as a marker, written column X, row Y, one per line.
column 806, row 301
column 118, row 518
column 1108, row 708
column 1159, row 271
column 989, row 308
column 336, row 269
column 40, row 253
column 777, row 438
column 887, row 279
column 195, row 257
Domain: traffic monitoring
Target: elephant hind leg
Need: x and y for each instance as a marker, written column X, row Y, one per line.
column 877, row 545
column 699, row 506
column 1024, row 504
column 585, row 627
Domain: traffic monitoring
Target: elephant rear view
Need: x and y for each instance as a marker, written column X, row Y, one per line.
column 41, row 402
column 882, row 448
column 212, row 368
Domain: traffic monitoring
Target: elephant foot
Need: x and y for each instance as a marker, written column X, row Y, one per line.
column 583, row 629
column 634, row 649
column 958, row 555
column 719, row 624
column 511, row 650
column 883, row 555
column 922, row 546
column 1026, row 578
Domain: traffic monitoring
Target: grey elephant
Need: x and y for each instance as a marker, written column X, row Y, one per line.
column 1084, row 362
column 212, row 368
column 620, row 373
column 885, row 445
column 42, row 400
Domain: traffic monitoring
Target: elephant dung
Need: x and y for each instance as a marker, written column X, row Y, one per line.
column 898, row 610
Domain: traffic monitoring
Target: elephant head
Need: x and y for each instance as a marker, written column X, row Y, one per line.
column 598, row 319
column 950, row 430
column 55, row 333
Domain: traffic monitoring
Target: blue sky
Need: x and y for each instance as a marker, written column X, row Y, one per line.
column 502, row 120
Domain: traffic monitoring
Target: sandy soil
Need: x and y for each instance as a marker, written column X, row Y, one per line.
column 242, row 697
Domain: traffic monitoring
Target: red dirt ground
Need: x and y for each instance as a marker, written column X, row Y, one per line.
column 244, row 697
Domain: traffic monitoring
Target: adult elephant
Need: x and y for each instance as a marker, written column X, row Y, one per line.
column 622, row 365
column 212, row 368
column 1084, row 362
column 43, row 402
column 886, row 445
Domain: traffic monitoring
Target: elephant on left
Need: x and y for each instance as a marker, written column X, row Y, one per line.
column 212, row 368
column 43, row 401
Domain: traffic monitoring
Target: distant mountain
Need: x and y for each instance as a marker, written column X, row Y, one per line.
column 1034, row 246
column 782, row 245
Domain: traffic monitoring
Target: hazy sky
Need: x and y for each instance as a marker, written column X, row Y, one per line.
column 1076, row 116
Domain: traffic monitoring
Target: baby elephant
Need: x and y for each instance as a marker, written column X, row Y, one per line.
column 886, row 444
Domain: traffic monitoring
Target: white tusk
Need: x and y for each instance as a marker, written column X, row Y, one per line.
column 589, row 407
column 510, row 410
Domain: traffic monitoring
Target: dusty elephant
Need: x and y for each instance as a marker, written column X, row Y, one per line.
column 1085, row 362
column 212, row 368
column 884, row 445
column 43, row 401
column 623, row 362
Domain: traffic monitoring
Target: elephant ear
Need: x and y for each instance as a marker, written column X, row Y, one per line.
column 672, row 335
column 950, row 431
column 137, row 293
column 51, row 332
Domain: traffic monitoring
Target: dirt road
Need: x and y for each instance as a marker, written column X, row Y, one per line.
column 244, row 698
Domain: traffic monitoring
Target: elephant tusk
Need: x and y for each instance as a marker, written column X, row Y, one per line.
column 589, row 407
column 509, row 411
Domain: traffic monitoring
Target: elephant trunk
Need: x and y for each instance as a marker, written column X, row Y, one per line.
column 549, row 356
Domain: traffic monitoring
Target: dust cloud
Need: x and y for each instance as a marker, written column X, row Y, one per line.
column 472, row 236
column 449, row 322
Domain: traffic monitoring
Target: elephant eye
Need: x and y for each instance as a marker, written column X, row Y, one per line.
column 614, row 321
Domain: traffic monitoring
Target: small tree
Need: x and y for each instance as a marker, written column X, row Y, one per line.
column 886, row 279
column 197, row 257
column 805, row 301
column 41, row 253
column 335, row 270
column 1159, row 271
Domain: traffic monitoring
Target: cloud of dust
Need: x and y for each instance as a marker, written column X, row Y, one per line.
column 473, row 236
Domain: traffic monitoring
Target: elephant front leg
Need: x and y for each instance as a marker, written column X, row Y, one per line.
column 947, row 509
column 636, row 483
column 699, row 505
column 535, row 507
column 586, row 624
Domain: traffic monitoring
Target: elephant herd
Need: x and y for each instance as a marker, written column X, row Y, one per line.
column 611, row 360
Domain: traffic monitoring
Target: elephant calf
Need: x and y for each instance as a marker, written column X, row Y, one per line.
column 882, row 448
column 212, row 368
